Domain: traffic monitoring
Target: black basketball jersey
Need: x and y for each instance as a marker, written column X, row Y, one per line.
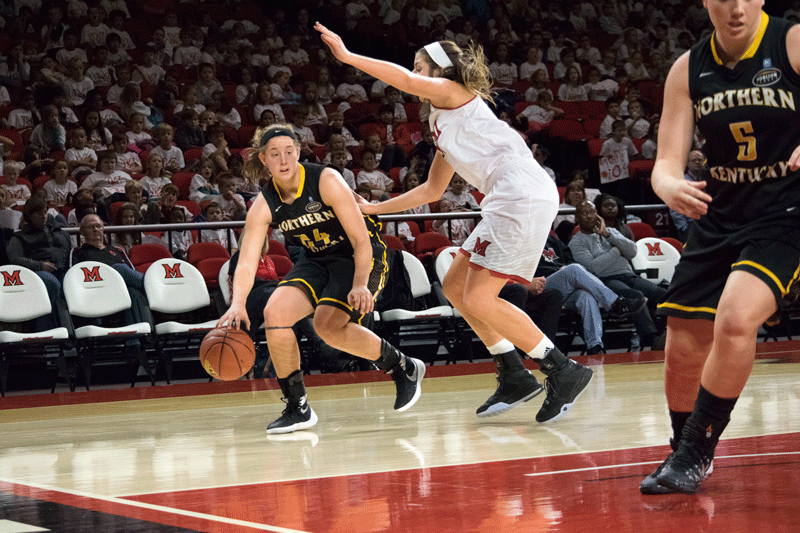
column 308, row 221
column 749, row 118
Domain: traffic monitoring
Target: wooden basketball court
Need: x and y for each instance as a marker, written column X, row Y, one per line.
column 196, row 457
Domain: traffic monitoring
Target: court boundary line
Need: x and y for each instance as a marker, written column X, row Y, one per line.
column 532, row 458
column 626, row 465
column 154, row 507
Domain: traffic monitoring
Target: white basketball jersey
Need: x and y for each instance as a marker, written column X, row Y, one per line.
column 475, row 142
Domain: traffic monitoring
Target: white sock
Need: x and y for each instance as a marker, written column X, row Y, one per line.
column 503, row 346
column 541, row 349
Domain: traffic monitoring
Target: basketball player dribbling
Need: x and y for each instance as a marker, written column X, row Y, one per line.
column 520, row 204
column 740, row 86
column 337, row 280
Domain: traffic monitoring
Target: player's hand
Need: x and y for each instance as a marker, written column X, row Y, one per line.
column 794, row 161
column 334, row 42
column 234, row 318
column 685, row 197
column 361, row 299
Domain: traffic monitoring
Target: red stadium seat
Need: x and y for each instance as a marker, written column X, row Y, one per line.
column 282, row 264
column 143, row 255
column 641, row 230
column 393, row 242
column 183, row 180
column 567, row 129
column 201, row 251
column 276, row 248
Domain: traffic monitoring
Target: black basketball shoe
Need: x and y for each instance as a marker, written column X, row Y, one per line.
column 513, row 389
column 686, row 468
column 650, row 484
column 296, row 416
column 624, row 307
column 407, row 377
column 563, row 389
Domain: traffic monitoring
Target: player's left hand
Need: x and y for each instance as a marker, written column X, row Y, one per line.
column 334, row 42
column 361, row 299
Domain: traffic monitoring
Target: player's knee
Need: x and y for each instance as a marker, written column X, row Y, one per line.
column 328, row 326
column 454, row 294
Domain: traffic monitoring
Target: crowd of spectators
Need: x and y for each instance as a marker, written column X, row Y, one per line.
column 143, row 112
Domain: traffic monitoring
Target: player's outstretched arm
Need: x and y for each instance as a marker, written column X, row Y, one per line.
column 438, row 178
column 674, row 142
column 255, row 232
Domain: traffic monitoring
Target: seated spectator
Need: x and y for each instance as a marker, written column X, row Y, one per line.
column 204, row 185
column 167, row 93
column 131, row 104
column 9, row 218
column 190, row 99
column 338, row 161
column 126, row 160
column 615, row 155
column 177, row 241
column 541, row 113
column 276, row 64
column 504, row 71
column 600, row 90
column 540, row 154
column 136, row 195
column 80, row 155
column 456, row 199
column 94, row 32
column 207, row 84
column 574, row 195
column 169, row 195
column 77, row 83
column 650, row 146
column 70, row 50
column 107, row 184
column 636, row 69
column 213, row 213
column 189, row 134
column 265, row 99
column 171, row 155
column 149, row 71
column 17, row 194
column 156, row 177
column 350, row 90
column 186, row 54
column 294, row 55
column 613, row 212
column 98, row 137
column 336, row 144
column 49, row 136
column 232, row 203
column 566, row 61
column 583, row 292
column 122, row 74
column 533, row 62
column 246, row 88
column 325, row 89
column 378, row 182
column 606, row 253
column 27, row 115
column 637, row 125
column 127, row 215
column 59, row 189
column 116, row 23
column 585, row 52
column 695, row 171
column 538, row 81
column 387, row 155
column 101, row 72
column 411, row 181
column 40, row 247
column 608, row 68
column 283, row 90
column 612, row 113
column 336, row 126
column 572, row 90
column 217, row 148
column 116, row 53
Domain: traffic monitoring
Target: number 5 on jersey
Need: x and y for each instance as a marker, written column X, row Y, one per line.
column 747, row 143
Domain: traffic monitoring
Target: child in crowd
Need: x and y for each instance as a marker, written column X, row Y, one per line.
column 246, row 89
column 80, row 155
column 70, row 50
column 294, row 55
column 156, row 176
column 122, row 74
column 149, row 71
column 59, row 189
column 246, row 185
column 316, row 113
column 572, row 90
column 613, row 114
column 189, row 100
column 130, row 103
column 265, row 99
column 204, row 184
column 107, row 183
column 541, row 113
column 637, row 124
column 504, row 71
column 282, row 89
column 116, row 53
column 116, row 19
column 650, row 146
column 232, row 203
column 276, row 64
column 94, row 32
column 325, row 89
column 169, row 195
column 615, row 155
column 180, row 240
column 167, row 92
column 213, row 213
column 350, row 90
column 267, row 118
column 338, row 160
column 379, row 183
column 172, row 156
column 66, row 115
column 456, row 199
column 217, row 148
column 207, row 84
column 186, row 54
column 127, row 215
column 336, row 126
column 16, row 193
column 27, row 115
column 126, row 160
column 189, row 133
column 538, row 81
column 50, row 135
column 226, row 114
column 601, row 90
column 540, row 154
column 101, row 72
column 335, row 144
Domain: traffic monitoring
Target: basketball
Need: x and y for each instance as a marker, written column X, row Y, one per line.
column 227, row 354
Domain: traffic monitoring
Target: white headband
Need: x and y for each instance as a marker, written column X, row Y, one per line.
column 438, row 54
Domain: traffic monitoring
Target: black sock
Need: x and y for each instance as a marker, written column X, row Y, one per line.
column 293, row 387
column 678, row 419
column 508, row 361
column 708, row 420
column 552, row 362
column 390, row 357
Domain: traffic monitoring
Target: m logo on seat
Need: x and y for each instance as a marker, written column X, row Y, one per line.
column 480, row 247
column 654, row 249
column 91, row 275
column 173, row 271
column 11, row 279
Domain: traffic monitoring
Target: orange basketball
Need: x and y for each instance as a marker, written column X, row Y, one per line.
column 227, row 354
